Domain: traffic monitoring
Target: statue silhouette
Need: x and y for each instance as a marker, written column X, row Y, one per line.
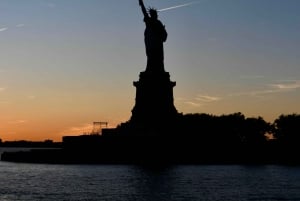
column 155, row 36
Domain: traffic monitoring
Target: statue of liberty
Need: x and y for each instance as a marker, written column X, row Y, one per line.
column 155, row 36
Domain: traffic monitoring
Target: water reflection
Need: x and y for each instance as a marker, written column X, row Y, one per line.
column 172, row 183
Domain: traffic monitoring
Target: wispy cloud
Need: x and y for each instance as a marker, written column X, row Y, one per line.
column 194, row 104
column 279, row 87
column 20, row 121
column 200, row 100
column 254, row 92
column 287, row 85
column 207, row 99
column 3, row 29
column 2, row 89
column 20, row 25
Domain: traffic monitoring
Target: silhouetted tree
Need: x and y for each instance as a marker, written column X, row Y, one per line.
column 287, row 128
column 255, row 130
column 225, row 129
column 196, row 124
column 230, row 128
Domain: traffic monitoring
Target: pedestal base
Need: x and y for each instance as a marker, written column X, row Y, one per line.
column 154, row 102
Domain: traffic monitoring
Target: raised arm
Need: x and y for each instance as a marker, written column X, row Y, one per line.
column 143, row 8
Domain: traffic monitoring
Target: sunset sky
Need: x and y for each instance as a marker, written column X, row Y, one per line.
column 67, row 63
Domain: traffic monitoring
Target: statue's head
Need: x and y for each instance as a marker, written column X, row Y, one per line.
column 153, row 13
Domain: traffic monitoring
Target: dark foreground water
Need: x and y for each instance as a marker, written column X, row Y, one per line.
column 125, row 182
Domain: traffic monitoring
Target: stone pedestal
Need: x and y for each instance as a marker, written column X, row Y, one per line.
column 154, row 103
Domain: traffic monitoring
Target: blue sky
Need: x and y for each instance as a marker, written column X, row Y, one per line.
column 67, row 63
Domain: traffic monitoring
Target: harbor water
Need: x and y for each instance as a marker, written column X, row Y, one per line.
column 129, row 182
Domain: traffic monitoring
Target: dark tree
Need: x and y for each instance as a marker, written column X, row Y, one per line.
column 287, row 128
column 197, row 125
column 229, row 128
column 255, row 129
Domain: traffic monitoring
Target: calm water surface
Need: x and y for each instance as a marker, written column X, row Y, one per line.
column 124, row 182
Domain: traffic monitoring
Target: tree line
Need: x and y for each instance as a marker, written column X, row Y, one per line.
column 236, row 128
